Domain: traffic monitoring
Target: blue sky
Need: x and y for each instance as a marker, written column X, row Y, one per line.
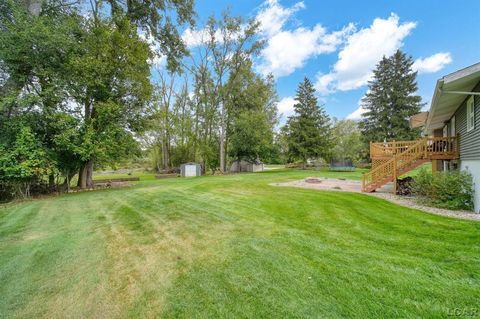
column 337, row 43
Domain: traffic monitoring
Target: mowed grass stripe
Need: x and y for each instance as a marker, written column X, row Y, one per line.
column 233, row 246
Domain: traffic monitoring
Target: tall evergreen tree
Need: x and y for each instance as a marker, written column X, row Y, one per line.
column 391, row 100
column 308, row 131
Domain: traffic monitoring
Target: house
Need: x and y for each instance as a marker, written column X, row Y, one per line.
column 452, row 130
column 246, row 166
column 455, row 111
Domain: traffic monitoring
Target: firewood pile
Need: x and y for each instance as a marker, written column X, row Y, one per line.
column 404, row 186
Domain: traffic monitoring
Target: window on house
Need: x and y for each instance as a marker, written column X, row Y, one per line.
column 470, row 114
column 453, row 130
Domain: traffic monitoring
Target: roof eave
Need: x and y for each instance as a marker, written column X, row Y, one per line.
column 438, row 90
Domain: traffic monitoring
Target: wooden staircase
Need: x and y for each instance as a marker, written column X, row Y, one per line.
column 393, row 159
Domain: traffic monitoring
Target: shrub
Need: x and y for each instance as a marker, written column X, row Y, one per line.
column 23, row 165
column 451, row 190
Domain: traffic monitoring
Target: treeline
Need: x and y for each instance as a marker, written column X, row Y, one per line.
column 218, row 108
column 75, row 85
column 77, row 93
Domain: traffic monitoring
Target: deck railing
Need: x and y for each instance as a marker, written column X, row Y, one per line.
column 400, row 157
column 391, row 169
column 435, row 146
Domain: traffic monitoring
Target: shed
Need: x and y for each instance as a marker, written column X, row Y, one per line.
column 190, row 170
column 246, row 166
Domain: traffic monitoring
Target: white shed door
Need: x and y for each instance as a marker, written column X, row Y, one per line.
column 190, row 170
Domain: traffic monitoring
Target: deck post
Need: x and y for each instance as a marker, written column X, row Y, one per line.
column 394, row 175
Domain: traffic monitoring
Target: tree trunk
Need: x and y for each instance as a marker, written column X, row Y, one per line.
column 165, row 157
column 222, row 151
column 82, row 177
column 222, row 138
column 89, row 180
column 85, row 175
column 51, row 181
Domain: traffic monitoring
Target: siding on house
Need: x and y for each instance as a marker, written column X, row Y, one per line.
column 469, row 141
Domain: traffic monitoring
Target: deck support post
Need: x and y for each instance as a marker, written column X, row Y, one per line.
column 435, row 164
column 394, row 175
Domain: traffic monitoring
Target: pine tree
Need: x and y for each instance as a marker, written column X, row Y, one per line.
column 308, row 131
column 391, row 100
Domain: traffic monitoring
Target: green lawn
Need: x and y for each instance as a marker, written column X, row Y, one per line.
column 233, row 246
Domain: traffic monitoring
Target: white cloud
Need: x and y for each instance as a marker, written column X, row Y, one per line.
column 357, row 114
column 432, row 63
column 194, row 38
column 362, row 51
column 158, row 58
column 273, row 16
column 288, row 50
column 285, row 106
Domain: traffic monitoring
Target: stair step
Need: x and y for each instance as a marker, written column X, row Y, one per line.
column 387, row 179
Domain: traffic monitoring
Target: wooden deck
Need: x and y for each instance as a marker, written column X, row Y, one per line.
column 435, row 148
column 395, row 158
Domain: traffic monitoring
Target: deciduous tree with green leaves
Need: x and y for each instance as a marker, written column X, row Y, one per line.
column 22, row 163
column 253, row 115
column 347, row 140
column 80, row 69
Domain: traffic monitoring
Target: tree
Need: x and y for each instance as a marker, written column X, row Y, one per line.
column 23, row 163
column 308, row 131
column 36, row 47
column 229, row 44
column 155, row 19
column 391, row 100
column 253, row 115
column 82, row 73
column 170, row 134
column 114, row 86
column 111, row 87
column 162, row 125
column 347, row 140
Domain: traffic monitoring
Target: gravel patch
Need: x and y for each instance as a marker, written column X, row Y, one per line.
column 342, row 185
column 330, row 184
column 412, row 203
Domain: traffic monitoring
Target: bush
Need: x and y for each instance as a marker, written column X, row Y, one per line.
column 451, row 190
column 23, row 165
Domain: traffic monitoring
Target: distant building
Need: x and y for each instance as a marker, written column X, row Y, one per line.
column 246, row 166
column 190, row 170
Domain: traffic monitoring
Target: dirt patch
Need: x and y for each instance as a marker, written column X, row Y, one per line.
column 325, row 184
column 34, row 236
